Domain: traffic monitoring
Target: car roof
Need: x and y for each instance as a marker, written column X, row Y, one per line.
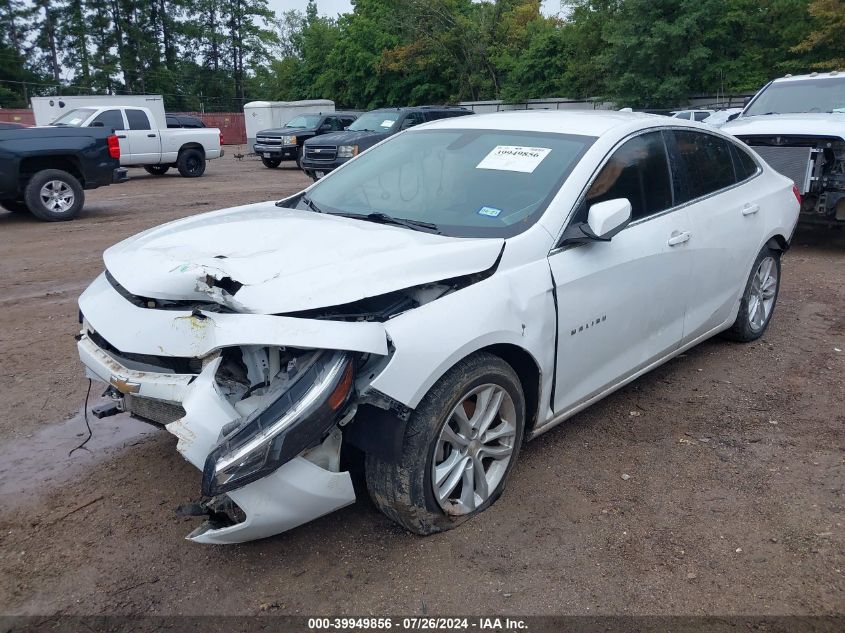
column 831, row 75
column 580, row 122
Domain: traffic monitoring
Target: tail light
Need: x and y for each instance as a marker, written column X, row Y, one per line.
column 114, row 146
column 796, row 193
column 221, row 137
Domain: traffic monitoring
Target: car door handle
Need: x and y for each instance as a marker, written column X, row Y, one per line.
column 151, row 135
column 121, row 136
column 750, row 209
column 678, row 237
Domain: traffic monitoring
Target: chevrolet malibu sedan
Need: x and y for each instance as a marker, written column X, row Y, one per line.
column 455, row 290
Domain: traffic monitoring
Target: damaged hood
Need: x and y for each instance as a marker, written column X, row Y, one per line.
column 805, row 124
column 268, row 260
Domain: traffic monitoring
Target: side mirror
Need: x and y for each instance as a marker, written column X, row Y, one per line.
column 731, row 117
column 607, row 218
column 98, row 124
column 604, row 220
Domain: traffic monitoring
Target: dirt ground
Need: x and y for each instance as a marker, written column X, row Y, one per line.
column 734, row 505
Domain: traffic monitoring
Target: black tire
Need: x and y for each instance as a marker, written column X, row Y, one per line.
column 156, row 170
column 745, row 329
column 271, row 163
column 61, row 182
column 15, row 206
column 191, row 163
column 402, row 488
column 299, row 157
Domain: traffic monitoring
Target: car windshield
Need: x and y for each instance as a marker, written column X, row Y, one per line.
column 375, row 122
column 800, row 96
column 74, row 118
column 466, row 183
column 304, row 120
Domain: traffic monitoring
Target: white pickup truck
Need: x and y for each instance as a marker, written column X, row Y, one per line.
column 797, row 125
column 144, row 144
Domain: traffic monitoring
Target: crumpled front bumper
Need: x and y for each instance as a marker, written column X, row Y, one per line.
column 295, row 493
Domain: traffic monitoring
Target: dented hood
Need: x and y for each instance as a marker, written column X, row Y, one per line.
column 268, row 260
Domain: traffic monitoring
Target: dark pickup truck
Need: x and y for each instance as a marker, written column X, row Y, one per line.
column 285, row 143
column 45, row 170
column 323, row 154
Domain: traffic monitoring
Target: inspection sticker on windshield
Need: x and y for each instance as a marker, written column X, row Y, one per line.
column 491, row 212
column 513, row 158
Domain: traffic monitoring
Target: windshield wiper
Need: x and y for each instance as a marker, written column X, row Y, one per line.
column 312, row 205
column 384, row 218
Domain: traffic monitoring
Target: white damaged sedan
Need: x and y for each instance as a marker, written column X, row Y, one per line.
column 455, row 290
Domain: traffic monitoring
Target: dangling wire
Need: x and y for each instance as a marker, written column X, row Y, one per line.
column 87, row 425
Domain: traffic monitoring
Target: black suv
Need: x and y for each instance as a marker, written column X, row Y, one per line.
column 285, row 143
column 322, row 155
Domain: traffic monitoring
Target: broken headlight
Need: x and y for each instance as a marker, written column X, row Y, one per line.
column 297, row 417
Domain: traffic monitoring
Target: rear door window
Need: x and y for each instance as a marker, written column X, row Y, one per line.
column 700, row 116
column 138, row 120
column 707, row 163
column 638, row 171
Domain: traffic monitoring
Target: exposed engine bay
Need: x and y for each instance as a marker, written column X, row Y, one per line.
column 815, row 164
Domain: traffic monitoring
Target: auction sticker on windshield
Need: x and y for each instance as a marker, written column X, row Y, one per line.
column 514, row 158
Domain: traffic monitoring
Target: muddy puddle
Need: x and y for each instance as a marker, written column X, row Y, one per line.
column 31, row 466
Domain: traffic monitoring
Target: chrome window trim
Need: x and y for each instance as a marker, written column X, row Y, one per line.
column 582, row 196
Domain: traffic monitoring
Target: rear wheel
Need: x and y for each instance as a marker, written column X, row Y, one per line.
column 15, row 206
column 271, row 163
column 758, row 300
column 156, row 170
column 459, row 447
column 54, row 195
column 191, row 163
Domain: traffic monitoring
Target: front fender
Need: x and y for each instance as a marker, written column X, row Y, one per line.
column 514, row 307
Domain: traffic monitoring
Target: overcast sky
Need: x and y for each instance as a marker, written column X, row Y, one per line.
column 335, row 7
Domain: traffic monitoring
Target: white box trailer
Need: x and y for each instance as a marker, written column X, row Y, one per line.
column 265, row 115
column 48, row 109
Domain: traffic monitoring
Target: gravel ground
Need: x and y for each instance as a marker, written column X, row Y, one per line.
column 734, row 504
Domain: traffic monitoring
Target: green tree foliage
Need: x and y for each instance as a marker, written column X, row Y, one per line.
column 825, row 41
column 216, row 54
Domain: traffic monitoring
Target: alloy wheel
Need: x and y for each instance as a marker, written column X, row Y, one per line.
column 764, row 286
column 57, row 196
column 475, row 446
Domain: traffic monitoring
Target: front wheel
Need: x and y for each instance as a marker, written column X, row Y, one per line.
column 156, row 170
column 54, row 195
column 758, row 299
column 459, row 447
column 271, row 163
column 191, row 163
